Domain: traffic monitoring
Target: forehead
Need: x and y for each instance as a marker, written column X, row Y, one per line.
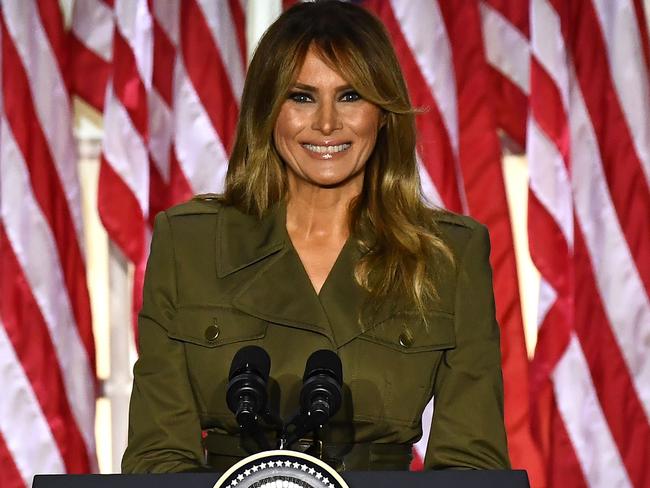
column 316, row 72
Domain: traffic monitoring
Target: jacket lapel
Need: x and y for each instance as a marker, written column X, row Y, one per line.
column 346, row 303
column 280, row 291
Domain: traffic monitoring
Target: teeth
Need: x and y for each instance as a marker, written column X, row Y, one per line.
column 327, row 149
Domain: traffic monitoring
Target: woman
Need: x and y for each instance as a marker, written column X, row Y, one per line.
column 321, row 241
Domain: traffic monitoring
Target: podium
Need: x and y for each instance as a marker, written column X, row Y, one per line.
column 355, row 479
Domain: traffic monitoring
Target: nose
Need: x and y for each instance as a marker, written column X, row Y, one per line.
column 327, row 118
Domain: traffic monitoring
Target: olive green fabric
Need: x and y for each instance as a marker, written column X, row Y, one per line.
column 218, row 280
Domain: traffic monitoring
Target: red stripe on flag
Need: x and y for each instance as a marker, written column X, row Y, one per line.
column 127, row 85
column 30, row 338
column 549, row 250
column 210, row 80
column 564, row 467
column 480, row 158
column 164, row 57
column 629, row 187
column 550, row 253
column 561, row 464
column 643, row 32
column 52, row 21
column 548, row 110
column 120, row 213
column 48, row 191
column 417, row 463
column 9, row 475
column 89, row 74
column 516, row 13
column 239, row 21
column 434, row 145
column 510, row 106
column 158, row 192
column 609, row 372
column 180, row 188
column 552, row 340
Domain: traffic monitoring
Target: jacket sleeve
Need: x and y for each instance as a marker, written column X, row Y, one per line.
column 467, row 429
column 164, row 429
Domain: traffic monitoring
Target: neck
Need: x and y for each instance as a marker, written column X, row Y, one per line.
column 319, row 213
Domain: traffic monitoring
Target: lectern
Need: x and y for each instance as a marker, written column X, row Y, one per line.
column 358, row 479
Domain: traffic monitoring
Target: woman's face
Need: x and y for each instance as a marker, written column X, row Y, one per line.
column 325, row 131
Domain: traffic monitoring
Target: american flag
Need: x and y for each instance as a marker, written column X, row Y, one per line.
column 588, row 144
column 47, row 354
column 566, row 80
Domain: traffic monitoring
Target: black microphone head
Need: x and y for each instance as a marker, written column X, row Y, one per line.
column 253, row 358
column 324, row 361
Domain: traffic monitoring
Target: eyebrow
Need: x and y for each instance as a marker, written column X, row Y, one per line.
column 313, row 89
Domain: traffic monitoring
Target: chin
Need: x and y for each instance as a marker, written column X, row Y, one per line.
column 333, row 181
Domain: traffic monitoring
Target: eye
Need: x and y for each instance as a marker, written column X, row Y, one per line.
column 300, row 97
column 350, row 96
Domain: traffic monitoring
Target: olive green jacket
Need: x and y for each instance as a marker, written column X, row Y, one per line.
column 218, row 280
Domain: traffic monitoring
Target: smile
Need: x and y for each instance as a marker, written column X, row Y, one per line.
column 327, row 149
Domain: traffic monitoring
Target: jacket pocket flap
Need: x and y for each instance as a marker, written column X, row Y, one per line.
column 410, row 334
column 214, row 326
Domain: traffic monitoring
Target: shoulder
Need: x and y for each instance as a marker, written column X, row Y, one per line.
column 206, row 203
column 184, row 223
column 457, row 231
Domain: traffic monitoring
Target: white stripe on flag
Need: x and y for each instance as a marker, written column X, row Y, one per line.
column 220, row 20
column 427, row 417
column 125, row 150
column 167, row 13
column 585, row 422
column 135, row 23
column 628, row 70
column 548, row 45
column 506, row 48
column 22, row 422
column 547, row 297
column 50, row 97
column 550, row 181
column 160, row 133
column 36, row 251
column 617, row 278
column 199, row 150
column 423, row 28
column 92, row 23
column 429, row 190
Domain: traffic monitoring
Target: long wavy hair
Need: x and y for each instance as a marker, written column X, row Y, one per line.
column 395, row 229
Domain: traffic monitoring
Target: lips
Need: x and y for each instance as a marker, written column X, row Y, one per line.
column 327, row 149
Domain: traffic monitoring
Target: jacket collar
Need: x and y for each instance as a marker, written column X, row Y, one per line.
column 281, row 291
column 243, row 239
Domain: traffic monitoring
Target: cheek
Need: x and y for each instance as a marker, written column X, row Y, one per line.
column 281, row 135
column 365, row 123
column 290, row 122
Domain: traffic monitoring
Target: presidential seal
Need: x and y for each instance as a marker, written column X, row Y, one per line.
column 281, row 469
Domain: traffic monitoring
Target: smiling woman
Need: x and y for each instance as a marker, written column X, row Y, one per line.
column 325, row 131
column 321, row 240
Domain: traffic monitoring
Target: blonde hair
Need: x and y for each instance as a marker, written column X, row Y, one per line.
column 396, row 231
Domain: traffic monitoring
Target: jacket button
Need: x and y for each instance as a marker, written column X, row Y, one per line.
column 212, row 333
column 406, row 338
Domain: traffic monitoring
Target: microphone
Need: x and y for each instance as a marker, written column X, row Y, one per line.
column 246, row 395
column 320, row 397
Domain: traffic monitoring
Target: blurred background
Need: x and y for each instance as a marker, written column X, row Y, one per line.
column 535, row 121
